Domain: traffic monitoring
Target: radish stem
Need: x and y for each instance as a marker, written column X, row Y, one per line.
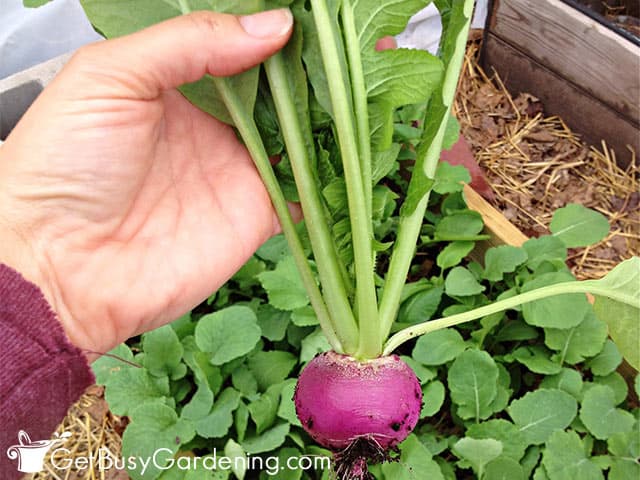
column 249, row 131
column 245, row 124
column 370, row 345
column 184, row 6
column 361, row 107
column 543, row 292
column 324, row 250
column 428, row 157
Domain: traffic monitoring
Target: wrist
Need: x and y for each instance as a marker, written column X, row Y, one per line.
column 18, row 253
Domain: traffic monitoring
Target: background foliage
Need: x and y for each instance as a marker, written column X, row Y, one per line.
column 533, row 393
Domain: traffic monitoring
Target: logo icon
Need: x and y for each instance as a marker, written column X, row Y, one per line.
column 30, row 454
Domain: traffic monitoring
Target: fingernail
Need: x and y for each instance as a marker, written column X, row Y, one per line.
column 272, row 23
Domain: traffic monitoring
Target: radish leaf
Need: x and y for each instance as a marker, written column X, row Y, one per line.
column 273, row 322
column 217, row 423
column 227, row 334
column 568, row 380
column 545, row 249
column 433, row 397
column 562, row 311
column 621, row 312
column 501, row 260
column 264, row 408
column 114, row 19
column 284, row 287
column 449, row 178
column 287, row 409
column 477, row 452
column 238, row 457
column 472, row 381
column 625, row 463
column 600, row 415
column 504, row 468
column 536, row 358
column 154, row 427
column 565, row 458
column 415, row 457
column 271, row 367
column 460, row 282
column 607, row 360
column 200, row 403
column 420, row 306
column 538, row 414
column 438, row 348
column 108, row 366
column 34, row 3
column 578, row 226
column 133, row 387
column 513, row 440
column 453, row 254
column 393, row 77
column 163, row 353
column 575, row 344
column 269, row 440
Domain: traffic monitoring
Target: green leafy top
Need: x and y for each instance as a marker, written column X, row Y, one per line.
column 327, row 105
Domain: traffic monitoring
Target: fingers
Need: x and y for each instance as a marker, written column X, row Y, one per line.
column 182, row 50
column 386, row 43
column 296, row 214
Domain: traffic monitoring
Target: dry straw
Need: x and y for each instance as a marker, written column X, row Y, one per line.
column 93, row 428
column 536, row 164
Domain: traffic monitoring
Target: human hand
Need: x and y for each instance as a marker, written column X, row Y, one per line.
column 123, row 202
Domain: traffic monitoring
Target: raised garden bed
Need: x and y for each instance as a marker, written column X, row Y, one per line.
column 581, row 69
column 535, row 164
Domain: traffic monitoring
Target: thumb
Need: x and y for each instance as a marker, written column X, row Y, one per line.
column 181, row 50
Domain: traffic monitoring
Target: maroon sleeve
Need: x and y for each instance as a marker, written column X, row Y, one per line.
column 41, row 373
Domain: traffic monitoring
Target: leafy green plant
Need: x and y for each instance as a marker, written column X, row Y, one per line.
column 334, row 139
column 359, row 134
column 520, row 393
column 336, row 142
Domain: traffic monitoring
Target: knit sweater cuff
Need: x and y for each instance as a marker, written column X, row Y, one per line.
column 42, row 373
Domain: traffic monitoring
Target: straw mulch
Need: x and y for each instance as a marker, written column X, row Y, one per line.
column 535, row 165
column 93, row 428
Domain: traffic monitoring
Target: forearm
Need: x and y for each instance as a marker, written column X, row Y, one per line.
column 42, row 372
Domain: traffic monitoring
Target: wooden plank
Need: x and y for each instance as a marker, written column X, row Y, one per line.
column 583, row 113
column 501, row 230
column 575, row 46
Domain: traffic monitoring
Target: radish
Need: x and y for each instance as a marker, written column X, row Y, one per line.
column 360, row 401
column 328, row 105
column 360, row 410
column 356, row 401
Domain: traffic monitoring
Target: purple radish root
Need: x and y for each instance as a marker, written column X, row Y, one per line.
column 360, row 411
